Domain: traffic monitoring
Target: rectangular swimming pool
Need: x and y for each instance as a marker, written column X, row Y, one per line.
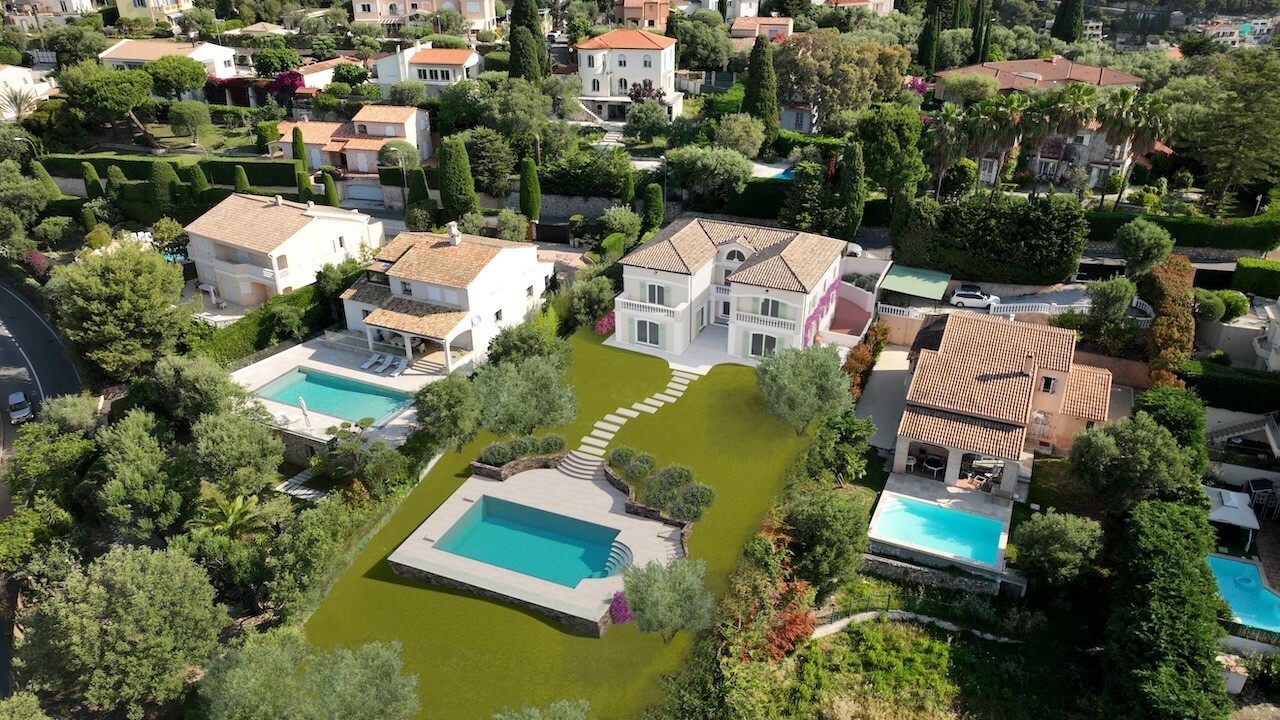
column 937, row 530
column 544, row 545
column 332, row 395
column 1241, row 586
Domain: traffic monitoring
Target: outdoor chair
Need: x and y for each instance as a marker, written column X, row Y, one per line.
column 380, row 367
column 399, row 368
column 372, row 359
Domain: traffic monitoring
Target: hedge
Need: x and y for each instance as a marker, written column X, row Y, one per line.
column 725, row 103
column 219, row 170
column 1253, row 233
column 254, row 332
column 1172, row 334
column 1233, row 388
column 281, row 173
column 66, row 206
column 395, row 176
column 498, row 61
column 762, row 198
column 1257, row 276
column 789, row 140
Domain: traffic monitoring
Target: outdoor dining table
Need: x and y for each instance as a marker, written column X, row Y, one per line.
column 933, row 464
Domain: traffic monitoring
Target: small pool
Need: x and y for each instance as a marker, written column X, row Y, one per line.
column 534, row 542
column 936, row 529
column 332, row 395
column 1241, row 586
column 787, row 174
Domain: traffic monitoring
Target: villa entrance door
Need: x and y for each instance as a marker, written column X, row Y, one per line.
column 722, row 313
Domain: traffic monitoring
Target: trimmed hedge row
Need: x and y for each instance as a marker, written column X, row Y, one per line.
column 762, row 198
column 218, row 170
column 1171, row 337
column 789, row 140
column 726, row 103
column 395, row 176
column 256, row 330
column 1233, row 388
column 500, row 453
column 1258, row 276
column 1253, row 233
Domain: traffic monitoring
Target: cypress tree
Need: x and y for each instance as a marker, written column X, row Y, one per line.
column 46, row 180
column 457, row 189
column 981, row 29
column 628, row 194
column 330, row 191
column 88, row 219
column 761, row 98
column 928, row 43
column 299, row 148
column 524, row 13
column 199, row 183
column 961, row 14
column 653, row 206
column 530, row 190
column 304, row 187
column 852, row 188
column 524, row 56
column 92, row 183
column 1068, row 23
column 418, row 191
column 242, row 180
column 164, row 182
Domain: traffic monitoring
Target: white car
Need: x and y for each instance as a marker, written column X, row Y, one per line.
column 19, row 408
column 971, row 296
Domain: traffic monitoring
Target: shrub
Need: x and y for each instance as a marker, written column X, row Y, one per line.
column 512, row 226
column 1143, row 245
column 640, row 467
column 741, row 132
column 1257, row 276
column 550, row 444
column 1172, row 334
column 522, row 446
column 1054, row 549
column 496, row 454
column 619, row 611
column 1234, row 304
column 592, row 299
column 1261, row 232
column 620, row 457
column 607, row 324
column 52, row 230
column 1209, row 307
column 620, row 220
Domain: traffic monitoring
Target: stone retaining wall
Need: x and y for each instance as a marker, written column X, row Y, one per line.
column 576, row 624
column 1195, row 253
column 517, row 466
column 633, row 507
column 909, row 572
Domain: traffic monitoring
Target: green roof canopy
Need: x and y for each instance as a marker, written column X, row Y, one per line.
column 917, row 282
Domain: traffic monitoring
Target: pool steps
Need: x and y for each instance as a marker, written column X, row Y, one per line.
column 620, row 559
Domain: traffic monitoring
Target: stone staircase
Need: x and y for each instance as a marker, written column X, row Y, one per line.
column 582, row 467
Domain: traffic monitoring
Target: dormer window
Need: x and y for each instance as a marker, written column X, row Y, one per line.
column 362, row 129
column 377, row 278
column 1048, row 384
column 735, row 256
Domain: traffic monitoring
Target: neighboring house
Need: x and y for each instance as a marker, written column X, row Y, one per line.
column 1046, row 73
column 770, row 27
column 610, row 64
column 435, row 68
column 771, row 288
column 798, row 116
column 219, row 61
column 479, row 14
column 34, row 15
column 1225, row 33
column 425, row 293
column 353, row 146
column 988, row 392
column 735, row 9
column 1267, row 347
column 167, row 10
column 1093, row 31
column 642, row 13
column 319, row 74
column 14, row 77
column 875, row 7
column 249, row 248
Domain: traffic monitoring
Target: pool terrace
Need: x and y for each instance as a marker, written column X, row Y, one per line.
column 885, row 541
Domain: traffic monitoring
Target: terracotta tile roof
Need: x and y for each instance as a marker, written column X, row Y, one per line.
column 323, row 65
column 1088, row 393
column 147, row 49
column 1044, row 72
column 797, row 265
column 431, row 259
column 1004, row 344
column 627, row 40
column 313, row 132
column 752, row 23
column 957, row 431
column 366, row 292
column 416, row 318
column 252, row 222
column 392, row 251
column 386, row 114
column 442, row 56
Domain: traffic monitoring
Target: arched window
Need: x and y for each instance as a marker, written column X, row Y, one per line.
column 647, row 61
column 622, row 85
column 736, row 256
column 393, row 9
column 591, row 61
column 595, row 85
column 622, row 60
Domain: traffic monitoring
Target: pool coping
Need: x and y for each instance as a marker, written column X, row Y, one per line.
column 304, row 369
column 1262, row 575
column 966, row 563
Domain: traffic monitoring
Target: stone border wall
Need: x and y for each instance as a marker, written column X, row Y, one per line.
column 517, row 466
column 574, row 623
column 633, row 507
column 912, row 573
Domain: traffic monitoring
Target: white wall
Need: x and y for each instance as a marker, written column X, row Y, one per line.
column 318, row 244
column 606, row 69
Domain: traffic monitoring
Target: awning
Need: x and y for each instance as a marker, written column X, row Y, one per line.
column 917, row 282
column 1230, row 508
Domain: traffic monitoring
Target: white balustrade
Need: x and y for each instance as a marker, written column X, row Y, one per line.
column 766, row 321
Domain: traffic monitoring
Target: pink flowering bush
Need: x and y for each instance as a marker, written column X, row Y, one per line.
column 38, row 263
column 285, row 84
column 917, row 84
column 606, row 324
column 619, row 610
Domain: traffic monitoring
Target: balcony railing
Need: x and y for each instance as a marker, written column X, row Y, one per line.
column 766, row 321
column 720, row 290
column 635, row 306
column 247, row 270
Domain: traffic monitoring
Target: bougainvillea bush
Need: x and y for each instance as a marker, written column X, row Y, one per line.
column 606, row 324
column 619, row 610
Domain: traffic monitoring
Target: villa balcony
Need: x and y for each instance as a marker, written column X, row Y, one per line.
column 249, row 271
column 765, row 321
column 643, row 308
column 720, row 291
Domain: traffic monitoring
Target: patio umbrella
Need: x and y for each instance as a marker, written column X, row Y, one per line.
column 305, row 417
column 1231, row 508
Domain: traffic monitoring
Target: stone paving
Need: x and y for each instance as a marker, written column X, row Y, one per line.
column 595, row 443
column 1267, row 546
column 295, row 487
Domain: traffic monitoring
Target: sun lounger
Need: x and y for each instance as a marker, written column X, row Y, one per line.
column 399, row 368
column 372, row 359
column 382, row 365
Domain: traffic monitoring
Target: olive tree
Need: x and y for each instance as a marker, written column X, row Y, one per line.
column 800, row 385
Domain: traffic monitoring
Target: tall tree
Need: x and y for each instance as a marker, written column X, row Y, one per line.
column 981, row 34
column 457, row 189
column 526, row 59
column 653, row 207
column 299, row 149
column 418, row 190
column 173, row 75
column 961, row 14
column 1077, row 106
column 518, row 397
column 106, row 95
column 669, row 599
column 761, row 98
column 1132, row 123
column 1068, row 22
column 524, row 13
column 530, row 190
column 947, row 138
column 800, row 385
column 890, row 136
column 235, row 453
column 930, row 33
column 828, row 529
column 448, row 410
column 331, row 191
column 835, row 72
column 851, row 188
column 1238, row 140
column 141, row 490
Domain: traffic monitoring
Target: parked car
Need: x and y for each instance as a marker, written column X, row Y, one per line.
column 852, row 249
column 972, row 296
column 19, row 408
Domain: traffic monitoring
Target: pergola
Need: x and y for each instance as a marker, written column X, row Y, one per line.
column 1231, row 508
column 412, row 320
column 915, row 282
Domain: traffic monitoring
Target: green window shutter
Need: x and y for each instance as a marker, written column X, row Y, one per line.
column 631, row 330
column 662, row 336
column 755, row 305
column 746, row 344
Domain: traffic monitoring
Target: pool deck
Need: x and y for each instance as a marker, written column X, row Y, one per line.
column 316, row 355
column 553, row 490
column 951, row 497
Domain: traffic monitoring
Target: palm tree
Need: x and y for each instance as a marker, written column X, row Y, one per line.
column 1077, row 108
column 19, row 101
column 994, row 128
column 1038, row 122
column 948, row 136
column 1118, row 115
column 1151, row 123
column 240, row 516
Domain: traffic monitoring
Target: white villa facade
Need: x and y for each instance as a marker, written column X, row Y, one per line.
column 479, row 14
column 771, row 288
column 435, row 68
column 250, row 248
column 610, row 64
column 218, row 61
column 425, row 293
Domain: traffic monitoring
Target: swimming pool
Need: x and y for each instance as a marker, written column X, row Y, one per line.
column 534, row 542
column 1241, row 586
column 332, row 395
column 936, row 529
column 788, row 174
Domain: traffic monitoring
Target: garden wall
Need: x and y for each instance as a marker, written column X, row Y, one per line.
column 908, row 572
column 635, row 508
column 558, row 208
column 517, row 466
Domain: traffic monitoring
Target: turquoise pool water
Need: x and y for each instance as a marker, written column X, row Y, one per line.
column 1241, row 586
column 333, row 395
column 938, row 529
column 788, row 174
column 552, row 547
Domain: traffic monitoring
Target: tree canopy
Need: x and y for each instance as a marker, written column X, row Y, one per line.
column 448, row 410
column 1054, row 549
column 104, row 94
column 1133, row 458
column 668, row 599
column 835, row 73
column 518, row 397
column 173, row 75
column 800, row 385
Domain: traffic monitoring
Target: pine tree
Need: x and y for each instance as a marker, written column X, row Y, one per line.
column 92, row 183
column 927, row 54
column 981, row 31
column 524, row 56
column 761, row 98
column 961, row 14
column 653, row 207
column 457, row 188
column 300, row 148
column 46, row 180
column 628, row 194
column 199, row 183
column 530, row 190
column 1068, row 23
column 330, row 191
column 242, row 180
column 164, row 183
column 418, row 191
column 852, row 188
column 524, row 13
column 304, row 187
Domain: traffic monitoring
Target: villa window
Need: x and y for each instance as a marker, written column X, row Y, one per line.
column 422, row 74
column 797, row 122
column 377, row 278
column 366, row 7
column 657, row 295
column 406, row 287
column 473, row 8
column 1040, row 424
column 1048, row 384
column 735, row 256
column 622, row 85
column 771, row 308
column 497, row 316
column 595, row 85
column 647, row 61
column 433, row 293
column 763, row 345
column 591, row 61
column 622, row 61
column 647, row 332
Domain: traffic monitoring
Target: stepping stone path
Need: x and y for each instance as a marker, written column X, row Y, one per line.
column 586, row 461
column 294, row 487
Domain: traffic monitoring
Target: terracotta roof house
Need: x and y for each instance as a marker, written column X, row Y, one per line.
column 770, row 27
column 435, row 68
column 424, row 293
column 353, row 146
column 219, row 62
column 642, row 13
column 611, row 64
column 986, row 392
column 762, row 289
column 1050, row 72
column 249, row 248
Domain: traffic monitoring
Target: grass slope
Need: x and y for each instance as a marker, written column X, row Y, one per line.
column 475, row 656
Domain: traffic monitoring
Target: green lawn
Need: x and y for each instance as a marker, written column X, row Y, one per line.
column 214, row 138
column 475, row 656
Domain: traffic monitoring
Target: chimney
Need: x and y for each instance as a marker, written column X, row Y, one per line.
column 279, row 201
column 311, row 204
column 455, row 237
column 1029, row 365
